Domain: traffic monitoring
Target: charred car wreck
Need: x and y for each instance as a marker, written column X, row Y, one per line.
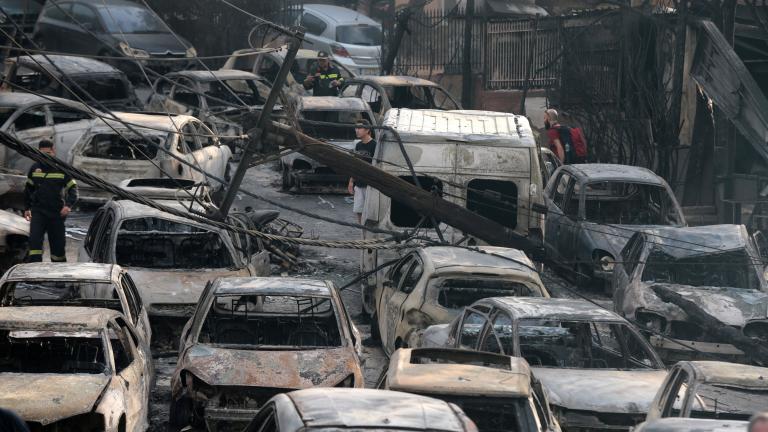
column 252, row 338
column 73, row 369
column 718, row 267
column 593, row 209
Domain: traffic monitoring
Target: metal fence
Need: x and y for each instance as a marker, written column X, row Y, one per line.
column 515, row 53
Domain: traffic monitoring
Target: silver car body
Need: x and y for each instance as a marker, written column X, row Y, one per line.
column 463, row 153
column 102, row 152
column 74, row 396
column 324, row 24
column 14, row 238
column 32, row 118
column 119, row 281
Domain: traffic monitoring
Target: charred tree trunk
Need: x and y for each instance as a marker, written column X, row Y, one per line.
column 424, row 202
column 753, row 349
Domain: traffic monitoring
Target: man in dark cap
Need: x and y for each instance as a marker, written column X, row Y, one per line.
column 326, row 79
column 365, row 148
column 49, row 196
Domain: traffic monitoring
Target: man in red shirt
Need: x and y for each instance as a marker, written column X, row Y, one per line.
column 551, row 124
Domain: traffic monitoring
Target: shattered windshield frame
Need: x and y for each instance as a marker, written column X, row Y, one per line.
column 75, row 352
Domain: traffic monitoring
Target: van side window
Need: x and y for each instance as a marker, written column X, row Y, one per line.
column 494, row 199
column 405, row 217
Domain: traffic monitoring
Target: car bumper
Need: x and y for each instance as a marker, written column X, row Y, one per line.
column 673, row 350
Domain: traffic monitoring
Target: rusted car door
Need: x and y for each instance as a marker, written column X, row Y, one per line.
column 386, row 318
column 558, row 196
column 405, row 298
column 129, row 361
column 30, row 126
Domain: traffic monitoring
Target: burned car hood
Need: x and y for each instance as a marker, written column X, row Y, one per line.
column 47, row 398
column 155, row 43
column 175, row 287
column 605, row 391
column 732, row 306
column 611, row 237
column 11, row 223
column 274, row 369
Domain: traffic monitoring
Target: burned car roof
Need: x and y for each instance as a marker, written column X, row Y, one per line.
column 214, row 75
column 168, row 123
column 395, row 80
column 710, row 239
column 55, row 318
column 272, row 285
column 332, row 103
column 366, row 408
column 731, row 374
column 448, row 256
column 683, row 424
column 558, row 308
column 67, row 271
column 486, row 127
column 459, row 372
column 69, row 65
column 613, row 172
column 21, row 99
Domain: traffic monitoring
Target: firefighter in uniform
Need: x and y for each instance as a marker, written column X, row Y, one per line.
column 49, row 196
column 326, row 80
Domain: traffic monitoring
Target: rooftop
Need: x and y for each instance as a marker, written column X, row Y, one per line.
column 614, row 172
column 214, row 75
column 333, row 103
column 55, row 318
column 394, row 80
column 272, row 286
column 740, row 375
column 457, row 374
column 708, row 239
column 70, row 65
column 69, row 271
column 367, row 408
column 481, row 127
column 340, row 15
column 152, row 122
column 554, row 308
column 447, row 256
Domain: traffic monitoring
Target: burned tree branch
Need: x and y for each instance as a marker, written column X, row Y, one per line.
column 753, row 349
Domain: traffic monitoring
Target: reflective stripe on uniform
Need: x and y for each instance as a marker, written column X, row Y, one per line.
column 329, row 76
column 38, row 174
column 56, row 258
column 70, row 184
column 55, row 175
column 35, row 252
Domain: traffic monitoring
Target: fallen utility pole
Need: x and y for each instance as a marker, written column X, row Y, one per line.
column 424, row 202
column 265, row 118
column 753, row 349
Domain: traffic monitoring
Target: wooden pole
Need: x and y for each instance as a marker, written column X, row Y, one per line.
column 418, row 199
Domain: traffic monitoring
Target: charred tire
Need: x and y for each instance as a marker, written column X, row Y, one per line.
column 375, row 333
column 180, row 415
column 287, row 180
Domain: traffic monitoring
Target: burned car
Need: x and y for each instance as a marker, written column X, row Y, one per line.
column 113, row 151
column 170, row 258
column 76, row 284
column 691, row 425
column 599, row 372
column 711, row 390
column 718, row 267
column 82, row 78
column 266, row 64
column 301, row 171
column 73, row 369
column 432, row 285
column 221, row 99
column 593, row 209
column 320, row 410
column 32, row 118
column 385, row 92
column 14, row 239
column 497, row 392
column 252, row 338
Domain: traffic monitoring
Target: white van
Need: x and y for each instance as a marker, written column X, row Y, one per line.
column 488, row 162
